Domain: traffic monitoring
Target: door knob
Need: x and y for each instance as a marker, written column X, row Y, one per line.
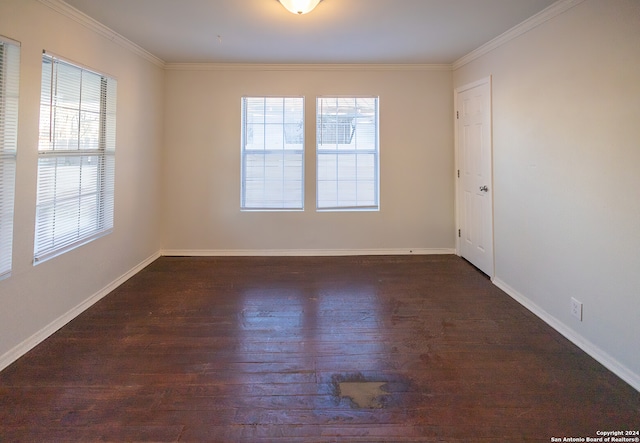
column 484, row 188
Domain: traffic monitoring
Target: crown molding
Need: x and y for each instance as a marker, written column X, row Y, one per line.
column 303, row 67
column 65, row 9
column 534, row 21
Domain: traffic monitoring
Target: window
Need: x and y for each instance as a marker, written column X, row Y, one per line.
column 9, row 86
column 272, row 153
column 347, row 153
column 76, row 157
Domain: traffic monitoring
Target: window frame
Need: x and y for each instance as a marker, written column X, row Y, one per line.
column 9, row 103
column 375, row 152
column 57, row 232
column 276, row 205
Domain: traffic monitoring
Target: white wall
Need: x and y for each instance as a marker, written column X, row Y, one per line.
column 37, row 299
column 566, row 109
column 202, row 162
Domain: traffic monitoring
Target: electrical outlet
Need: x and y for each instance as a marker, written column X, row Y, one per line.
column 576, row 308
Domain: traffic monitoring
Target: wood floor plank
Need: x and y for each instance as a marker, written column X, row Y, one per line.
column 255, row 349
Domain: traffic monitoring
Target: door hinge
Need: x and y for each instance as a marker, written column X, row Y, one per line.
column 457, row 115
column 458, row 173
column 459, row 233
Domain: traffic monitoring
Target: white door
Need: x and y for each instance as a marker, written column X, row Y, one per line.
column 474, row 172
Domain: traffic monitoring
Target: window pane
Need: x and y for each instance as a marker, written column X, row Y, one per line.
column 66, row 86
column 347, row 153
column 274, row 110
column 89, row 130
column 327, row 167
column 91, row 92
column 66, row 123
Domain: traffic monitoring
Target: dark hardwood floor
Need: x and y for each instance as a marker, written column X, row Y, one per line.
column 353, row 349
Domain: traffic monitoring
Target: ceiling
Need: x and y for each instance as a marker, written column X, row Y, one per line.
column 337, row 31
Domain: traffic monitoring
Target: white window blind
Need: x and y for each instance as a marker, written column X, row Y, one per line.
column 347, row 153
column 272, row 153
column 76, row 157
column 9, row 87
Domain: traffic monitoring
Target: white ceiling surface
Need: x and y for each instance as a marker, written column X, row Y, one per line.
column 337, row 31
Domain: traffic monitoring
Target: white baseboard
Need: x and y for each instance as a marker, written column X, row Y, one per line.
column 18, row 351
column 301, row 252
column 594, row 351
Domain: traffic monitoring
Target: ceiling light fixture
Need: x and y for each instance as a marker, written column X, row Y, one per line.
column 299, row 6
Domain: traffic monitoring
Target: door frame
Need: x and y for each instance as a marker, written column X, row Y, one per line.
column 458, row 200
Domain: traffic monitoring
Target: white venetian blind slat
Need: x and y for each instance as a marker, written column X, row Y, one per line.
column 76, row 164
column 9, row 87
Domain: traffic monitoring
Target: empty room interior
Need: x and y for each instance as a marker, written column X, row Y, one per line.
column 380, row 220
